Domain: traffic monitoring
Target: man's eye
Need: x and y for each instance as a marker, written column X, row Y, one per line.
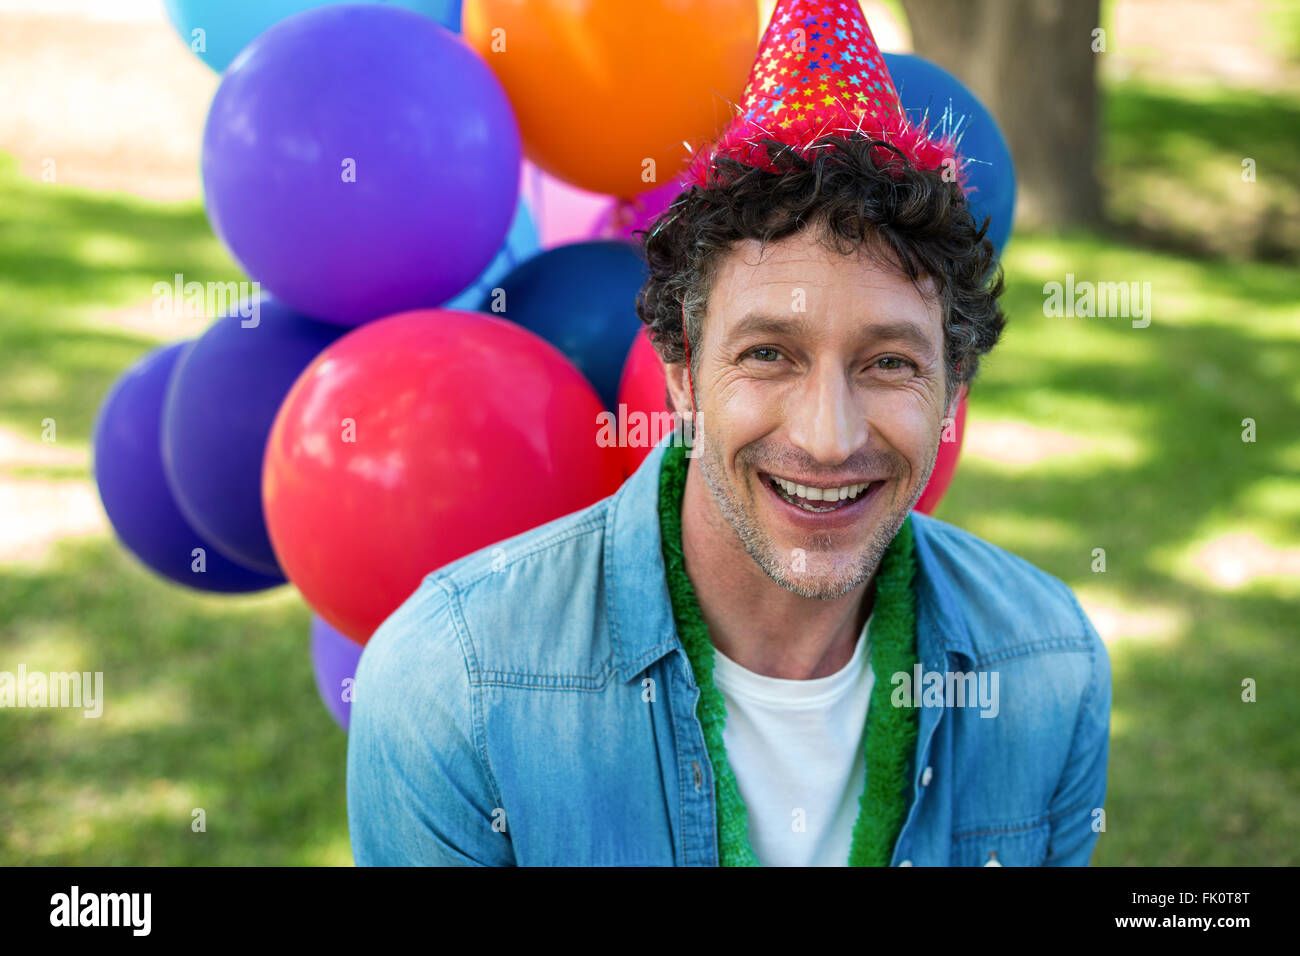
column 765, row 354
column 902, row 362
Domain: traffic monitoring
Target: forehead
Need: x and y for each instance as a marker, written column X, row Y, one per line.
column 801, row 273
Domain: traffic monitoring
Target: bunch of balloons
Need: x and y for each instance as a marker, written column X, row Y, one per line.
column 440, row 229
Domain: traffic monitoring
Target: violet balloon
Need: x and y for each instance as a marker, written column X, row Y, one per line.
column 334, row 659
column 521, row 245
column 360, row 160
column 222, row 400
column 129, row 475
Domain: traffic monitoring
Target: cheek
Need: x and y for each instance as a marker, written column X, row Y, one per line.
column 909, row 426
column 742, row 411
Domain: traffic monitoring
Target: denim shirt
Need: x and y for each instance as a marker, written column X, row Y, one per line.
column 531, row 704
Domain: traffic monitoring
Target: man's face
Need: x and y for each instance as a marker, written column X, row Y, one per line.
column 821, row 397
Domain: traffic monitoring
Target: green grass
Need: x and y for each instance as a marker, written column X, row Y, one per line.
column 1283, row 19
column 211, row 701
column 1196, row 775
column 1171, row 166
column 66, row 257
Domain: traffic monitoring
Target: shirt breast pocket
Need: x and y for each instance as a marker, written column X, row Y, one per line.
column 1001, row 846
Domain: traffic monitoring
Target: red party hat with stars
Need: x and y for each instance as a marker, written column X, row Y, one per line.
column 819, row 73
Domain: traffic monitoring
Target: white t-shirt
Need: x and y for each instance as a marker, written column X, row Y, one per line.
column 798, row 745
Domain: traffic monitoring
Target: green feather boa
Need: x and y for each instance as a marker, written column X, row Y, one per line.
column 891, row 731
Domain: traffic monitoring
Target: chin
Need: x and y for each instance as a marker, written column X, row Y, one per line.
column 824, row 566
column 821, row 587
column 821, row 554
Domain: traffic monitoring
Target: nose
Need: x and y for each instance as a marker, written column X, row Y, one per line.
column 824, row 418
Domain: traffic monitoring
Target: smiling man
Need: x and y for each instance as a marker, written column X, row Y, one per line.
column 824, row 392
column 757, row 653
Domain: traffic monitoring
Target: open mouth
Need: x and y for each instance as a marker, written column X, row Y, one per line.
column 820, row 500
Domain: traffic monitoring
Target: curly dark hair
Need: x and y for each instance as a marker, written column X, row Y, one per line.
column 863, row 193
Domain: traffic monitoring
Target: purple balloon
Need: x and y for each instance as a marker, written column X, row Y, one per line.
column 361, row 160
column 222, row 400
column 334, row 660
column 129, row 474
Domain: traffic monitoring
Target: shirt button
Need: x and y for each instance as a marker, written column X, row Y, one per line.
column 926, row 776
column 699, row 777
column 993, row 859
column 906, row 863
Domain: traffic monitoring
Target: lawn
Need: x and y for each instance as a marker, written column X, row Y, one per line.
column 1151, row 467
column 211, row 701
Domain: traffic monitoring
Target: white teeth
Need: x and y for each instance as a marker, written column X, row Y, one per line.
column 821, row 494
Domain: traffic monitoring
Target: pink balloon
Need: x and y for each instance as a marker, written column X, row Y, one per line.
column 944, row 466
column 565, row 214
column 562, row 213
column 624, row 216
column 643, row 390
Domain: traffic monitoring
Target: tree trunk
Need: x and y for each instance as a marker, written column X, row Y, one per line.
column 1031, row 62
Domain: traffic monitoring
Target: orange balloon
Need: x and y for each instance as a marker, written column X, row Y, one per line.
column 602, row 86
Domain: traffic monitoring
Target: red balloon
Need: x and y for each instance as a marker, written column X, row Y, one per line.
column 414, row 440
column 643, row 390
column 945, row 465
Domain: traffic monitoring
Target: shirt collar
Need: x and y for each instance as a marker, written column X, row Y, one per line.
column 940, row 623
column 641, row 614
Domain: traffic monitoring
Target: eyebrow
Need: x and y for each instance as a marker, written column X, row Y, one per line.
column 763, row 323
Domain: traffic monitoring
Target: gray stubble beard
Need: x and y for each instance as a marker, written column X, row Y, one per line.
column 759, row 546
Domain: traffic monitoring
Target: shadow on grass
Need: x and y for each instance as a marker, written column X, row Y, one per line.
column 1196, row 775
column 209, row 702
column 66, row 256
column 1172, row 167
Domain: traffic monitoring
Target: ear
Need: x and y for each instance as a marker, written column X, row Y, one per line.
column 679, row 387
column 957, row 397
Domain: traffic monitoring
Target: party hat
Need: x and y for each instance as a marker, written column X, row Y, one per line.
column 818, row 73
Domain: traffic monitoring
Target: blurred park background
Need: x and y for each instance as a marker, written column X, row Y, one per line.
column 1082, row 433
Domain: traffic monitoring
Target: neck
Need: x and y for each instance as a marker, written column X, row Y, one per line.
column 752, row 619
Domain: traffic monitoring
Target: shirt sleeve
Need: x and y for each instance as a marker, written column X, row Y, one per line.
column 1077, row 814
column 418, row 786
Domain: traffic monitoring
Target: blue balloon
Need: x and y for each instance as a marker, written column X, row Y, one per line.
column 217, row 415
column 229, row 25
column 923, row 86
column 581, row 298
column 334, row 659
column 129, row 474
column 522, row 243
